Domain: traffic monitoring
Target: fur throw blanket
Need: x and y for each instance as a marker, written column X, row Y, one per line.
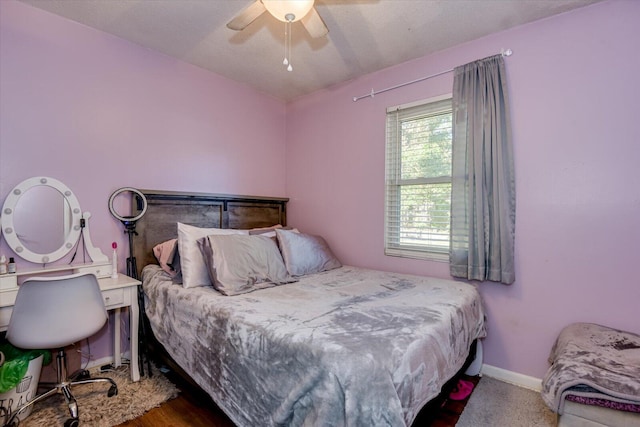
column 590, row 360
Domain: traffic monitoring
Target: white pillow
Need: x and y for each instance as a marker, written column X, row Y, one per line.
column 192, row 265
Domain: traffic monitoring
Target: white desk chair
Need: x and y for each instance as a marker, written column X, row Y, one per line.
column 52, row 313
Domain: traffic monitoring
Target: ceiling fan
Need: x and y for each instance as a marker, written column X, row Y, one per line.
column 286, row 11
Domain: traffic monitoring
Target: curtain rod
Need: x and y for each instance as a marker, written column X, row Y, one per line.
column 503, row 52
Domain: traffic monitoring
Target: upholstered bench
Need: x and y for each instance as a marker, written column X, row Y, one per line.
column 594, row 378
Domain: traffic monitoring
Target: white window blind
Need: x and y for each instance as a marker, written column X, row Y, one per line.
column 418, row 180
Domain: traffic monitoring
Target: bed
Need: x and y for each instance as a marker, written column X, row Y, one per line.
column 343, row 346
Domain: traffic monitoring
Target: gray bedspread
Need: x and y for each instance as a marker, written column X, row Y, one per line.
column 591, row 360
column 346, row 347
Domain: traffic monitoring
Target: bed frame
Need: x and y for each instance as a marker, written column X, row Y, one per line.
column 165, row 209
column 218, row 211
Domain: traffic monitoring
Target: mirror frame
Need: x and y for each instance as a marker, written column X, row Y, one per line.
column 8, row 228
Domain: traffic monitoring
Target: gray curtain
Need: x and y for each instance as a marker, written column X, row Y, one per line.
column 483, row 198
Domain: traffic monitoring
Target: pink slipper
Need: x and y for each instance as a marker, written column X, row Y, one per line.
column 462, row 390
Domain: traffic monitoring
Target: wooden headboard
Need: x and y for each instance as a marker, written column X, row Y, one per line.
column 165, row 209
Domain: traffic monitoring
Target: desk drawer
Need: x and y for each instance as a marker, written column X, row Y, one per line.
column 5, row 315
column 114, row 297
column 8, row 281
column 8, row 297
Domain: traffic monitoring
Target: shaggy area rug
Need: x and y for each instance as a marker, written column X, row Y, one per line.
column 98, row 410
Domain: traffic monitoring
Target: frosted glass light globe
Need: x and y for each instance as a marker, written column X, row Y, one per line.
column 281, row 8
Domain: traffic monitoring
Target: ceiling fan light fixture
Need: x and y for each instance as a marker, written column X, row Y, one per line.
column 280, row 9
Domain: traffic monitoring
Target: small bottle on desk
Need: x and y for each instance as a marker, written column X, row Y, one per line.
column 114, row 261
column 3, row 265
column 11, row 267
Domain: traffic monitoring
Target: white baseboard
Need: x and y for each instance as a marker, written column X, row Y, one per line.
column 511, row 377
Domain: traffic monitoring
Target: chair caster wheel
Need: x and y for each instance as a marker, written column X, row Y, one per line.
column 113, row 391
column 83, row 375
column 72, row 422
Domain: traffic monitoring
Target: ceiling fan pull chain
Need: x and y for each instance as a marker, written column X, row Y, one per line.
column 287, row 43
column 289, row 67
column 285, row 62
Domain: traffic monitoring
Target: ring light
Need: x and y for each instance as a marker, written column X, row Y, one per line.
column 141, row 200
column 129, row 223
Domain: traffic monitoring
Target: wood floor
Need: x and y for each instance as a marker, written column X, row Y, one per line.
column 193, row 408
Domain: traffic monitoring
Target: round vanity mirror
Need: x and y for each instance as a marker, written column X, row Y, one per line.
column 41, row 220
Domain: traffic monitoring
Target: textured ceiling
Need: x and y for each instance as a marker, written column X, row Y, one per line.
column 364, row 35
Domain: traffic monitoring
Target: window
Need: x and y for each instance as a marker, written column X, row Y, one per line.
column 418, row 179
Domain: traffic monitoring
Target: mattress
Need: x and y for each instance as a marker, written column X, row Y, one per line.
column 346, row 347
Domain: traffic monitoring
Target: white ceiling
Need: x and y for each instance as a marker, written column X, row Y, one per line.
column 364, row 35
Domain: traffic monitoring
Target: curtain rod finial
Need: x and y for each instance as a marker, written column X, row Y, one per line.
column 506, row 52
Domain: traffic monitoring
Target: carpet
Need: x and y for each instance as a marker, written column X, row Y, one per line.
column 496, row 403
column 98, row 410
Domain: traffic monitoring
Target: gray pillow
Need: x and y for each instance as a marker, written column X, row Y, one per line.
column 305, row 254
column 192, row 266
column 238, row 264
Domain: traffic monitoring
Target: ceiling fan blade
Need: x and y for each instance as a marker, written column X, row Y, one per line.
column 314, row 24
column 247, row 16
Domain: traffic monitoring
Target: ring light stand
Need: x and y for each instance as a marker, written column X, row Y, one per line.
column 129, row 223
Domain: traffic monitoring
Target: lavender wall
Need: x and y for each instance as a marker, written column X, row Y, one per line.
column 574, row 92
column 99, row 113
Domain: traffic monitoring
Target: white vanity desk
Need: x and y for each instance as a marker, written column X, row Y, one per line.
column 117, row 293
column 42, row 222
